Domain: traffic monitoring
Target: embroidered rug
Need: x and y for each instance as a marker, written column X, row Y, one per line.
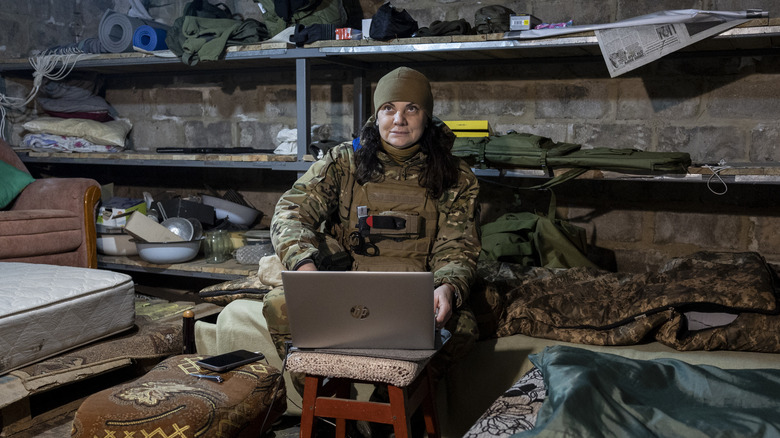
column 169, row 402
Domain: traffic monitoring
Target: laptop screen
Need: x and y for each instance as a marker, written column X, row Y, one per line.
column 356, row 309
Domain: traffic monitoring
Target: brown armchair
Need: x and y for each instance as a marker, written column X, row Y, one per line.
column 52, row 221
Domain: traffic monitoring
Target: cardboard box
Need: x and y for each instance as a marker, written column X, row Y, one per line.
column 523, row 22
column 115, row 211
column 142, row 227
column 470, row 128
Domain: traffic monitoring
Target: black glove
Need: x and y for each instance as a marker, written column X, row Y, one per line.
column 308, row 34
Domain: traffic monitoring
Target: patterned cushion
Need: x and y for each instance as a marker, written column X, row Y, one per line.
column 515, row 411
column 397, row 372
column 167, row 402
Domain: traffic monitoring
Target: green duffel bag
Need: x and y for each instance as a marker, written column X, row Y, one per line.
column 518, row 149
column 523, row 150
column 530, row 239
column 624, row 160
column 470, row 149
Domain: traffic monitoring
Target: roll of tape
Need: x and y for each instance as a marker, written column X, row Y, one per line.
column 116, row 31
column 149, row 38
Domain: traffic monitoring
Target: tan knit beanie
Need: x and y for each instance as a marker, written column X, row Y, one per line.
column 404, row 85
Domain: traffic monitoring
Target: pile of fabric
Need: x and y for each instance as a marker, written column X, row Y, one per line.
column 705, row 301
column 78, row 119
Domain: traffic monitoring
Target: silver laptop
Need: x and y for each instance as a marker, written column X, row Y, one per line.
column 355, row 309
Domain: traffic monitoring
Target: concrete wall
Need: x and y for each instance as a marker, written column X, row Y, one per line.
column 716, row 108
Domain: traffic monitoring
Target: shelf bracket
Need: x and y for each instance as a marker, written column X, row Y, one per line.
column 303, row 104
column 361, row 100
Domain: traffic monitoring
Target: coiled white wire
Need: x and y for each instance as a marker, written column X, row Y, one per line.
column 716, row 174
column 52, row 66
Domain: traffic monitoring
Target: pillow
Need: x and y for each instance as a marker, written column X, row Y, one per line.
column 249, row 287
column 12, row 182
column 109, row 133
column 223, row 297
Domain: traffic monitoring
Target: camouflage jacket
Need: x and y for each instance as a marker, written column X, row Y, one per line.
column 320, row 201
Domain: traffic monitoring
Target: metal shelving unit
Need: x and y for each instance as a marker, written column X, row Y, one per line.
column 755, row 37
column 165, row 160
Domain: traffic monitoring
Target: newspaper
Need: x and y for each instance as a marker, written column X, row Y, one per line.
column 662, row 17
column 631, row 43
column 627, row 48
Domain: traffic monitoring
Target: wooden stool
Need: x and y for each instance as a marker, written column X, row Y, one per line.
column 327, row 391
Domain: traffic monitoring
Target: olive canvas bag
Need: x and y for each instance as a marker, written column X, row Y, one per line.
column 492, row 19
column 278, row 15
column 531, row 239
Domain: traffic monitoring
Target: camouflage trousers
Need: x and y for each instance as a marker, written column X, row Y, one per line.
column 462, row 325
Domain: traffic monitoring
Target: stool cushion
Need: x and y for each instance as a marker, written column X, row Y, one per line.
column 168, row 402
column 372, row 369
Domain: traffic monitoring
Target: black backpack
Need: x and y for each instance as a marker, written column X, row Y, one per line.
column 390, row 23
column 286, row 8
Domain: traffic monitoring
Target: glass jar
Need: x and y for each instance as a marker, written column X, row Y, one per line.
column 217, row 246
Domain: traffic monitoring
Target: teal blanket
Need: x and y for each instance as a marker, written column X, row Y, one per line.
column 594, row 394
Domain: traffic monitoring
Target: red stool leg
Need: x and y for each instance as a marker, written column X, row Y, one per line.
column 398, row 411
column 310, row 392
column 429, row 407
column 342, row 391
column 341, row 428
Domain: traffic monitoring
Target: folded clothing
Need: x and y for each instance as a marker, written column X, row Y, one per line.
column 61, row 143
column 111, row 133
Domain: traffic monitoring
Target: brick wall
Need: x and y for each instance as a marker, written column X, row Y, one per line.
column 716, row 108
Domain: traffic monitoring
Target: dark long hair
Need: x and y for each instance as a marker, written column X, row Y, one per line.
column 439, row 173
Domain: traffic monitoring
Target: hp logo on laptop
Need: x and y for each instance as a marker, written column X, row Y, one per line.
column 359, row 311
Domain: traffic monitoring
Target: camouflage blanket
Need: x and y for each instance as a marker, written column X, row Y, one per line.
column 590, row 306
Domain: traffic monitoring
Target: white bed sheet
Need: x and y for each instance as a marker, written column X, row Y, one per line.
column 46, row 310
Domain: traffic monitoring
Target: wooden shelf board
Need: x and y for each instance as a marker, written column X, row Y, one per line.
column 198, row 267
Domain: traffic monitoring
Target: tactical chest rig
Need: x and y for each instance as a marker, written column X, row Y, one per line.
column 391, row 226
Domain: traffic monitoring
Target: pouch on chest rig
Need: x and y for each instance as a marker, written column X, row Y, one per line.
column 387, row 224
column 394, row 223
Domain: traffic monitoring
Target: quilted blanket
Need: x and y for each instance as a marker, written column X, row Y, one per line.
column 599, row 394
column 577, row 392
column 591, row 306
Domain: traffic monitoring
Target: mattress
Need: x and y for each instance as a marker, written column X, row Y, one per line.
column 46, row 310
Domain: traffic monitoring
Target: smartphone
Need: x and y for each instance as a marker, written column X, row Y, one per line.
column 228, row 361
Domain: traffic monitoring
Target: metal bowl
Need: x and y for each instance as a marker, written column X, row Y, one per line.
column 197, row 227
column 116, row 244
column 235, row 213
column 180, row 227
column 168, row 252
